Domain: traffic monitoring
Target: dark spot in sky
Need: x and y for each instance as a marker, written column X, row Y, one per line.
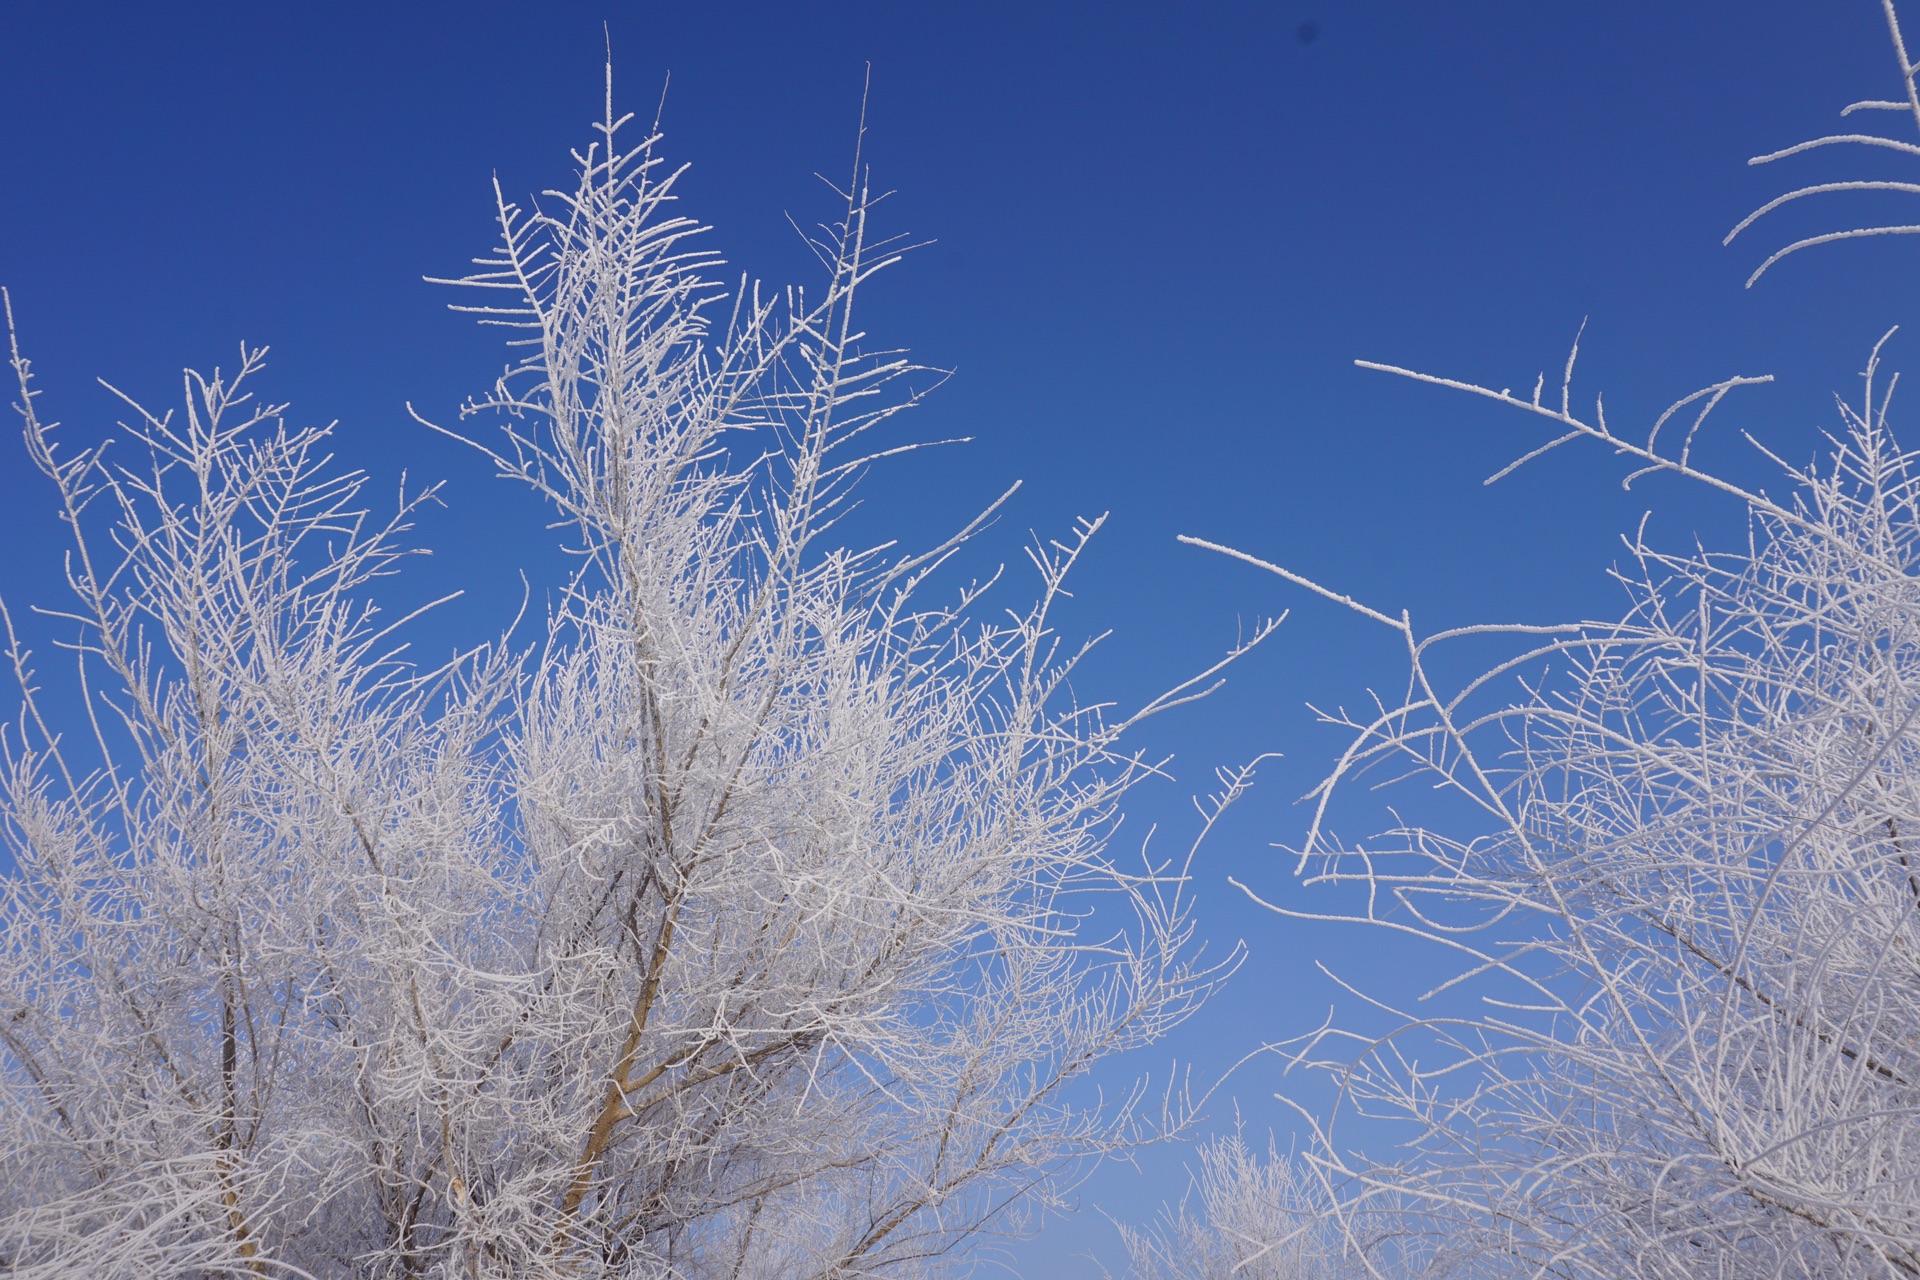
column 1308, row 31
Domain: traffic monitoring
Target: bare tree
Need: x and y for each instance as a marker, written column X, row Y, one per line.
column 753, row 921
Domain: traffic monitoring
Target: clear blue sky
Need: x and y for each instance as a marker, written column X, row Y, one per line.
column 1164, row 232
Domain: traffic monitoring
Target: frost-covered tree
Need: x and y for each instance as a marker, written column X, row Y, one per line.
column 1680, row 883
column 1244, row 1218
column 1682, row 1037
column 752, row 919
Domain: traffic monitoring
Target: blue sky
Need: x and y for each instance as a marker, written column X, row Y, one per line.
column 1162, row 235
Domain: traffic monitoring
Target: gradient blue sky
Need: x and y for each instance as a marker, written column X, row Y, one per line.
column 1163, row 234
